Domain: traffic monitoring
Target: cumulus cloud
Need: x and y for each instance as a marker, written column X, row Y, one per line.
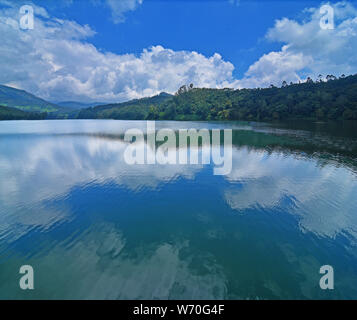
column 308, row 50
column 56, row 61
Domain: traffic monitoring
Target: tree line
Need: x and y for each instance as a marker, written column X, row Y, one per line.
column 333, row 98
column 8, row 113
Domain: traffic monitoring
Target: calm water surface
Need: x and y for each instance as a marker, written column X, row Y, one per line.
column 94, row 227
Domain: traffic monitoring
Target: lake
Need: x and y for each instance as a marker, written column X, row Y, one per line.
column 94, row 227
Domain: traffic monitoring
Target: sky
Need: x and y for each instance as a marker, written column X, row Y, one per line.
column 117, row 50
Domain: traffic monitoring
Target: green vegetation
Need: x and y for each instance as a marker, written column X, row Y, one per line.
column 137, row 109
column 7, row 113
column 75, row 105
column 22, row 100
column 333, row 99
column 71, row 109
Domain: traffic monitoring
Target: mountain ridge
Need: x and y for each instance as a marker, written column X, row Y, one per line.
column 25, row 101
column 130, row 110
column 78, row 105
column 9, row 113
column 333, row 99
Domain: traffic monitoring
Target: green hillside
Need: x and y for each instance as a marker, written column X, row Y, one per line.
column 75, row 105
column 22, row 100
column 137, row 109
column 8, row 113
column 322, row 100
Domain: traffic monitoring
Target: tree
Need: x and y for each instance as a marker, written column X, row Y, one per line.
column 320, row 100
column 330, row 77
column 181, row 90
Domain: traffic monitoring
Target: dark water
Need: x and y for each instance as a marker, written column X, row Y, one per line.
column 92, row 226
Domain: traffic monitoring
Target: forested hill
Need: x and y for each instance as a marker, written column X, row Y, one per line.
column 22, row 100
column 7, row 113
column 332, row 99
column 137, row 109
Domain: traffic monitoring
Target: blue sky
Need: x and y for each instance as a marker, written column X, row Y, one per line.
column 234, row 29
column 115, row 50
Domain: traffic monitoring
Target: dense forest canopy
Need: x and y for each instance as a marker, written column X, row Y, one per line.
column 319, row 100
column 137, row 109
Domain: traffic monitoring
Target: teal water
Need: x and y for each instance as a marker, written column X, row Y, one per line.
column 93, row 227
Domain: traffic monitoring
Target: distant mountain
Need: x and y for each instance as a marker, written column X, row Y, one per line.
column 22, row 100
column 133, row 109
column 77, row 105
column 8, row 113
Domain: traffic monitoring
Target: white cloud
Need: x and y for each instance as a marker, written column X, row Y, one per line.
column 274, row 67
column 119, row 7
column 307, row 49
column 55, row 61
